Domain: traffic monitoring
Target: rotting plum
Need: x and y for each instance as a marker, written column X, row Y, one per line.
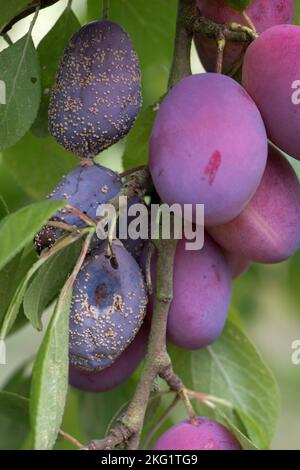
column 268, row 229
column 205, row 434
column 271, row 75
column 208, row 146
column 85, row 188
column 97, row 93
column 108, row 308
column 115, row 374
column 263, row 13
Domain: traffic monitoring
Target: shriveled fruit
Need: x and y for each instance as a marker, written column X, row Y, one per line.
column 208, row 146
column 108, row 308
column 205, row 434
column 97, row 93
column 271, row 74
column 268, row 229
column 117, row 373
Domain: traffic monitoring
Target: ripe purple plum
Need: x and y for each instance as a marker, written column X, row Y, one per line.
column 268, row 230
column 118, row 372
column 237, row 264
column 201, row 295
column 205, row 434
column 108, row 308
column 85, row 188
column 97, row 93
column 208, row 146
column 263, row 13
column 271, row 75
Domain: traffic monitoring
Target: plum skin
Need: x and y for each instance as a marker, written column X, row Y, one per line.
column 270, row 68
column 118, row 372
column 205, row 125
column 268, row 230
column 205, row 434
column 85, row 188
column 263, row 13
column 107, row 310
column 97, row 92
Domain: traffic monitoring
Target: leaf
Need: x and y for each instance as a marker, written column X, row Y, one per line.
column 14, row 420
column 38, row 164
column 3, row 208
column 48, row 282
column 12, row 274
column 231, row 369
column 239, row 5
column 151, row 27
column 137, row 142
column 50, row 51
column 19, row 70
column 9, row 9
column 19, row 228
column 50, row 377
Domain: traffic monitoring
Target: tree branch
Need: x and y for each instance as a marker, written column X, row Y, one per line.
column 233, row 32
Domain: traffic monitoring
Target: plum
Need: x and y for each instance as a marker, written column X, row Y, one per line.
column 205, row 434
column 85, row 188
column 268, row 229
column 201, row 295
column 263, row 13
column 97, row 93
column 271, row 74
column 237, row 264
column 208, row 146
column 108, row 308
column 118, row 372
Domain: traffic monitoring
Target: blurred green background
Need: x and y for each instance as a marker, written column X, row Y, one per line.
column 267, row 297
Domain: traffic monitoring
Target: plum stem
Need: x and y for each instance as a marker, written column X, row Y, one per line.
column 105, row 9
column 221, row 43
column 70, row 439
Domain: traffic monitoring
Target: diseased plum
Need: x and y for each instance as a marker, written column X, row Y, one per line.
column 97, row 93
column 268, row 229
column 271, row 74
column 108, row 308
column 205, row 434
column 85, row 188
column 263, row 13
column 208, row 146
column 118, row 372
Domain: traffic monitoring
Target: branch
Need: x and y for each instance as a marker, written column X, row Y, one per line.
column 181, row 66
column 233, row 32
column 28, row 10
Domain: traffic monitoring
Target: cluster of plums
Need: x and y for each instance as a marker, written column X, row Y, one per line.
column 209, row 145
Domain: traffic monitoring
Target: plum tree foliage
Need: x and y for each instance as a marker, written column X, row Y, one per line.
column 127, row 311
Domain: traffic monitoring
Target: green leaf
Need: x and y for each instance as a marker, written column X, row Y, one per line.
column 239, row 5
column 11, row 276
column 137, row 142
column 38, row 164
column 50, row 51
column 14, row 420
column 151, row 27
column 297, row 12
column 9, row 9
column 48, row 282
column 19, row 70
column 19, row 228
column 3, row 208
column 232, row 370
column 50, row 377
